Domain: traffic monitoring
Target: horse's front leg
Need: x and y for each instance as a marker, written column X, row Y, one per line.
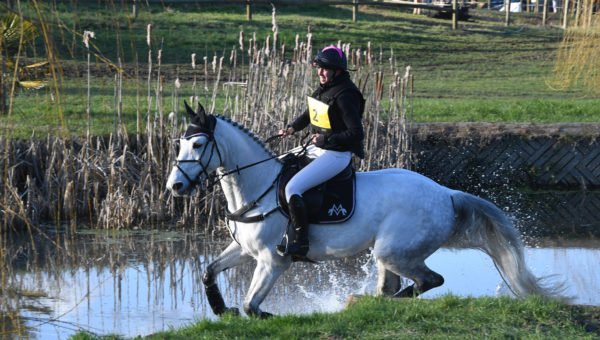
column 266, row 273
column 230, row 257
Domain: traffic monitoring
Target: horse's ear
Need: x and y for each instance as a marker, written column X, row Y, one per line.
column 189, row 110
column 201, row 114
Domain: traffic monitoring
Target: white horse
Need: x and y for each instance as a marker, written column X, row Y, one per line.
column 402, row 215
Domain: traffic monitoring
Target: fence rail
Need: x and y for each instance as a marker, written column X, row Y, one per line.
column 453, row 7
column 450, row 6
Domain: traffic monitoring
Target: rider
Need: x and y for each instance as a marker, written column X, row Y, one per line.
column 334, row 112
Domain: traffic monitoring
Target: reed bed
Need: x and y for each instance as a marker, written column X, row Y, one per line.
column 119, row 181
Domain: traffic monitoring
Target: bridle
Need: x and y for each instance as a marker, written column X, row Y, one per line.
column 214, row 178
column 196, row 180
column 215, row 146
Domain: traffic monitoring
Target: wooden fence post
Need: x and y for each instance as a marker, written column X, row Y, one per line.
column 545, row 12
column 577, row 9
column 565, row 13
column 454, row 14
column 248, row 10
column 507, row 9
column 355, row 11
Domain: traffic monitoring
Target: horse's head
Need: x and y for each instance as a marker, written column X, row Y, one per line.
column 198, row 154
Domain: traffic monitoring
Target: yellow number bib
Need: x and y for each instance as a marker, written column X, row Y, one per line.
column 318, row 112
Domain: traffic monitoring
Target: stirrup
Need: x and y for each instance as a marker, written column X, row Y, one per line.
column 296, row 249
column 293, row 249
column 282, row 250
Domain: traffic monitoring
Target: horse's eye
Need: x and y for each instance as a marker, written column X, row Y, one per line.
column 197, row 145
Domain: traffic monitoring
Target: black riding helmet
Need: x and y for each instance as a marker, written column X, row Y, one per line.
column 331, row 57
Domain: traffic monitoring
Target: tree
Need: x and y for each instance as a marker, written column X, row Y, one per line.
column 578, row 57
column 14, row 34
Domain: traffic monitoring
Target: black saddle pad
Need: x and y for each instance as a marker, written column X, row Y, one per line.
column 330, row 202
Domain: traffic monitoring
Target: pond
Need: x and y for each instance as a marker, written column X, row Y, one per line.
column 140, row 282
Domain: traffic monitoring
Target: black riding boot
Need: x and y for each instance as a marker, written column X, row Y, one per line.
column 298, row 215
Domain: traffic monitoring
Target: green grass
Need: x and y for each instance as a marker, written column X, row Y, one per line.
column 505, row 110
column 482, row 72
column 447, row 317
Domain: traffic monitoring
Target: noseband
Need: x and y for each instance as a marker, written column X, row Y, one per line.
column 237, row 215
column 214, row 147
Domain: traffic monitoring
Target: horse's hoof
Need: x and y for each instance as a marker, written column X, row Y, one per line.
column 232, row 311
column 296, row 258
column 266, row 315
column 408, row 292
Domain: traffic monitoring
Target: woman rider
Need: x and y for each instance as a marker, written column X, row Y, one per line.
column 334, row 114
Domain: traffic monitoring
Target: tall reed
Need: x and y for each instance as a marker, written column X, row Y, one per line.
column 578, row 56
column 119, row 182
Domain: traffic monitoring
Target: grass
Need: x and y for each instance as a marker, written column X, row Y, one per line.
column 482, row 72
column 447, row 317
column 504, row 110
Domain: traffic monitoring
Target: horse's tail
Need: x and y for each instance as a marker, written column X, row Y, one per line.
column 482, row 225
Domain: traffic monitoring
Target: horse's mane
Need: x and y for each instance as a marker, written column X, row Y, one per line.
column 249, row 133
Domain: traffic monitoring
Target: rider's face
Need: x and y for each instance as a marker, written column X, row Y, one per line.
column 325, row 75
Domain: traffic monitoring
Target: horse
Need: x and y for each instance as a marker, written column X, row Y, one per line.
column 401, row 215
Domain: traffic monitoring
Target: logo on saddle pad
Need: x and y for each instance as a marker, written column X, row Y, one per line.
column 337, row 210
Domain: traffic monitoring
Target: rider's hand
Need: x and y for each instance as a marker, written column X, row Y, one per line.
column 317, row 139
column 286, row 132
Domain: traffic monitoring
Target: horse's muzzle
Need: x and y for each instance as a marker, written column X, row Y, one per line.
column 179, row 189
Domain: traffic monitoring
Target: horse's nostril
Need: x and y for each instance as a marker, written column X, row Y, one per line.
column 177, row 186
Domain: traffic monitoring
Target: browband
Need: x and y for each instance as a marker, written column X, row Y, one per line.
column 185, row 136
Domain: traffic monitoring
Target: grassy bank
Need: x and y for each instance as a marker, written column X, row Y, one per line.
column 482, row 72
column 448, row 317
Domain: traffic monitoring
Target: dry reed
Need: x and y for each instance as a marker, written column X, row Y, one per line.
column 578, row 57
column 119, row 181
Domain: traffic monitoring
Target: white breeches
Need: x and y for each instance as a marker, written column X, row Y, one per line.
column 325, row 165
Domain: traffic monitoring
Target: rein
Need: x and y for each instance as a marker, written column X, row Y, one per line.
column 238, row 214
column 214, row 178
column 208, row 176
column 238, row 169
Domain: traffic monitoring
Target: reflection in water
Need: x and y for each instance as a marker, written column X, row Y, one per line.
column 471, row 272
column 140, row 297
column 137, row 283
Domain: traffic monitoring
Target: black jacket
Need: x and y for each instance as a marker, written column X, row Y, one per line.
column 346, row 104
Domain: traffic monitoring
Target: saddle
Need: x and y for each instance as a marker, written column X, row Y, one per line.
column 329, row 202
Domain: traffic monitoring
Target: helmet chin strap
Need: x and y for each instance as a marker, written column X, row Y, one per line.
column 338, row 73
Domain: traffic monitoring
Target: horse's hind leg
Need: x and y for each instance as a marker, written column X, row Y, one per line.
column 388, row 282
column 265, row 275
column 423, row 277
column 230, row 257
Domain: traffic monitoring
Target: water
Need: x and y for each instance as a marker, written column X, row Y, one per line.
column 141, row 282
